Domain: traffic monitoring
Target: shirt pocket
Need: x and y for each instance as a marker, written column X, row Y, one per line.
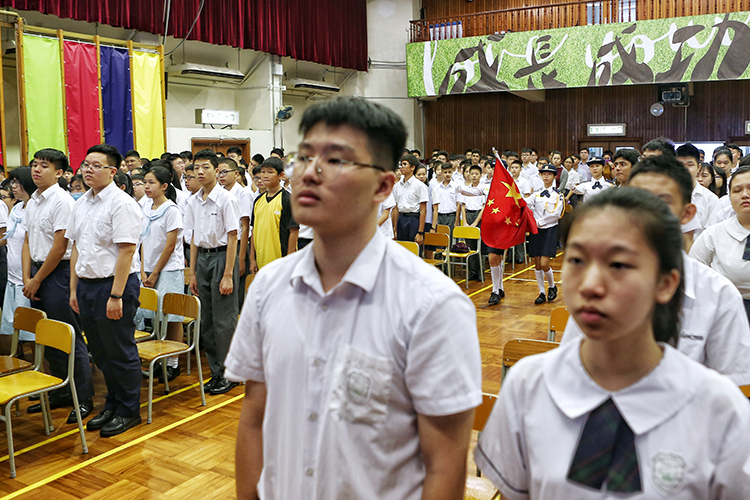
column 361, row 387
column 103, row 230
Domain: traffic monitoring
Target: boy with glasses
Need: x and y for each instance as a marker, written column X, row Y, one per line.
column 228, row 175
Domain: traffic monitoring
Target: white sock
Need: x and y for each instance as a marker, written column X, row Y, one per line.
column 497, row 278
column 539, row 279
column 173, row 361
column 550, row 277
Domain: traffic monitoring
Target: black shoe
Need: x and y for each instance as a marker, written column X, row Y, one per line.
column 222, row 386
column 85, row 409
column 475, row 278
column 207, row 386
column 520, row 261
column 118, row 425
column 35, row 397
column 551, row 293
column 541, row 299
column 172, row 374
column 100, row 420
column 494, row 299
column 54, row 403
column 501, row 293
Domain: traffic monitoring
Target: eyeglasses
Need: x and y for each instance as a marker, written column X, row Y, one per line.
column 95, row 166
column 328, row 168
column 14, row 182
column 188, row 177
column 5, row 197
column 138, row 184
column 222, row 173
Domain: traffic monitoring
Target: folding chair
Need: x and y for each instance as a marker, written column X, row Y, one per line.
column 19, row 385
column 442, row 242
column 411, row 246
column 467, row 233
column 149, row 299
column 24, row 318
column 558, row 318
column 248, row 281
column 516, row 349
column 159, row 350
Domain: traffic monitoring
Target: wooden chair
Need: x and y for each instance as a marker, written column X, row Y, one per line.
column 248, row 281
column 515, row 349
column 411, row 246
column 443, row 229
column 442, row 242
column 24, row 318
column 482, row 412
column 466, row 233
column 149, row 299
column 49, row 333
column 159, row 350
column 558, row 318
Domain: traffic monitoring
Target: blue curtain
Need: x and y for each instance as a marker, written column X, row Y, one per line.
column 116, row 101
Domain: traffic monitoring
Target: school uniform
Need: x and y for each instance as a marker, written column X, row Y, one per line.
column 4, row 213
column 584, row 172
column 14, row 237
column 447, row 204
column 345, row 382
column 473, row 200
column 573, row 180
column 154, row 229
column 386, row 228
column 409, row 197
column 528, row 171
column 211, row 220
column 245, row 204
column 305, row 236
column 714, row 329
column 98, row 224
column 689, row 424
column 46, row 213
column 590, row 188
column 706, row 203
column 547, row 206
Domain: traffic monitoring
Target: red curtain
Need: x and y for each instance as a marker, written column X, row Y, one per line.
column 81, row 99
column 331, row 32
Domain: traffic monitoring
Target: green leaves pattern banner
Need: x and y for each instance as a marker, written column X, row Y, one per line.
column 698, row 48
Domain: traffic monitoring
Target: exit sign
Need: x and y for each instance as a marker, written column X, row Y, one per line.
column 216, row 117
column 606, row 129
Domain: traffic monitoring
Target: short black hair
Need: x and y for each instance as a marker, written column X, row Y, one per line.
column 687, row 150
column 385, row 130
column 228, row 161
column 526, row 150
column 511, row 153
column 235, row 150
column 132, row 152
column 258, row 158
column 444, row 153
column 740, row 170
column 272, row 162
column 23, row 175
column 475, row 167
column 277, row 151
column 667, row 166
column 411, row 160
column 188, row 155
column 207, row 154
column 477, row 151
column 627, row 154
column 661, row 144
column 113, row 156
column 723, row 150
column 54, row 156
column 416, row 151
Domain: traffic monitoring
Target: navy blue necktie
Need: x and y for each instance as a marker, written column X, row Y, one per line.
column 544, row 193
column 746, row 253
column 597, row 186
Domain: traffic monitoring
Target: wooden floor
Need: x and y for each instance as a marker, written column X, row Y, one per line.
column 188, row 450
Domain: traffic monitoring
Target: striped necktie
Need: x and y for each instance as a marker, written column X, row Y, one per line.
column 606, row 452
column 746, row 253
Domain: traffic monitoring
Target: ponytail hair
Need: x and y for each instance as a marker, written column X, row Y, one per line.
column 662, row 232
column 164, row 176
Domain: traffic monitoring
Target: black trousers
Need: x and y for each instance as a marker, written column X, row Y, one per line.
column 54, row 299
column 471, row 216
column 112, row 342
column 407, row 226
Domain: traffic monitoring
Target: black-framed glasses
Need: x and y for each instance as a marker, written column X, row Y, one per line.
column 327, row 167
column 89, row 166
column 222, row 173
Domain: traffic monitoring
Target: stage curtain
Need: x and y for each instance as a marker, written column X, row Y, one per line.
column 332, row 32
column 147, row 100
column 81, row 99
column 116, row 100
column 43, row 87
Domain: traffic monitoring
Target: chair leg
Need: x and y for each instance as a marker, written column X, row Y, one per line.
column 46, row 413
column 77, row 409
column 200, row 374
column 164, row 373
column 18, row 407
column 188, row 332
column 150, row 389
column 9, row 431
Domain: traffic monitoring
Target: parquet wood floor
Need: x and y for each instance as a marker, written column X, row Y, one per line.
column 188, row 450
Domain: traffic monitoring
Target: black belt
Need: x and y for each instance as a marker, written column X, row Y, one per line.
column 473, row 211
column 409, row 214
column 222, row 248
column 447, row 213
column 39, row 265
column 96, row 280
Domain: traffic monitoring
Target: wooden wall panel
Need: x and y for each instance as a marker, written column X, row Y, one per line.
column 717, row 111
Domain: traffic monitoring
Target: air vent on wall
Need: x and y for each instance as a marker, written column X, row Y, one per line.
column 205, row 72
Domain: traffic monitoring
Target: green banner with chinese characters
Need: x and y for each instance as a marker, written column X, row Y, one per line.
column 684, row 49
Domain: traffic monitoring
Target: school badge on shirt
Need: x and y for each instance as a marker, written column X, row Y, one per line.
column 358, row 387
column 668, row 472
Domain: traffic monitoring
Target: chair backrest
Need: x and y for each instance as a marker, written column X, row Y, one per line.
column 26, row 318
column 443, row 229
column 558, row 318
column 437, row 239
column 482, row 412
column 248, row 281
column 466, row 232
column 515, row 349
column 149, row 299
column 55, row 334
column 410, row 245
column 181, row 305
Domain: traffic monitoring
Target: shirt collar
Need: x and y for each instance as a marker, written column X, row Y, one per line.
column 363, row 272
column 213, row 195
column 46, row 194
column 736, row 230
column 652, row 400
column 104, row 193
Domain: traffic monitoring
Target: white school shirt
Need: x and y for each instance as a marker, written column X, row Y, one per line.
column 723, row 211
column 17, row 227
column 98, row 224
column 524, row 186
column 447, row 197
column 348, row 370
column 154, row 242
column 529, row 171
column 305, row 232
column 239, row 192
column 212, row 219
column 706, row 203
column 588, row 190
column 410, row 195
column 547, row 210
column 474, row 196
column 573, row 179
column 714, row 328
column 387, row 226
column 47, row 213
column 690, row 426
column 187, row 234
column 721, row 247
column 584, row 172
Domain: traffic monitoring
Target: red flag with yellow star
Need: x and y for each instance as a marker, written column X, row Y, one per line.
column 506, row 218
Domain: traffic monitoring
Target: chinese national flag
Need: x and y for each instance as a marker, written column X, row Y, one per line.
column 506, row 218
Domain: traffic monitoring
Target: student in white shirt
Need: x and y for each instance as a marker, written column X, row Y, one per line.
column 411, row 200
column 624, row 160
column 104, row 227
column 472, row 206
column 228, row 175
column 714, row 328
column 448, row 206
column 162, row 260
column 706, row 202
column 646, row 420
column 337, row 391
column 547, row 206
column 384, row 216
column 597, row 184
